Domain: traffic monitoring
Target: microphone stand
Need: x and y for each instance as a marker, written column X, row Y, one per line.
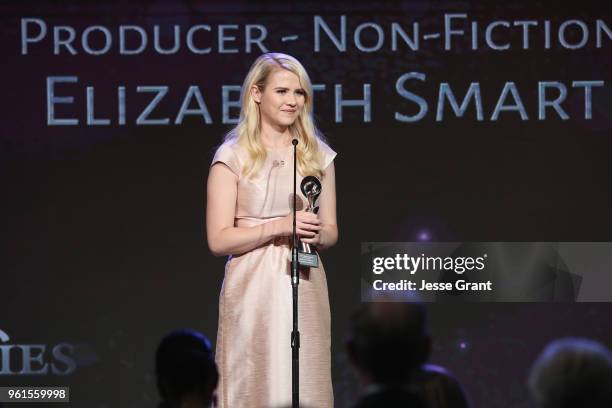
column 295, row 280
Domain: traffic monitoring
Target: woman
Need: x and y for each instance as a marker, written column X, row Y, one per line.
column 248, row 216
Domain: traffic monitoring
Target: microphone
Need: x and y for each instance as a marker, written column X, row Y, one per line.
column 295, row 278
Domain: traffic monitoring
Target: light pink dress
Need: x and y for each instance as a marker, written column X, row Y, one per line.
column 255, row 306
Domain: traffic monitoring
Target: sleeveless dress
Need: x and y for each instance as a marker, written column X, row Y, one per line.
column 253, row 352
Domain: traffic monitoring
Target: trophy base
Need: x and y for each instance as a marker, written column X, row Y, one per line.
column 306, row 259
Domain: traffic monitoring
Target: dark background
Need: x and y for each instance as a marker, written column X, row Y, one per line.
column 103, row 226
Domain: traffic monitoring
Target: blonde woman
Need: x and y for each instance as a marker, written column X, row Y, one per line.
column 248, row 217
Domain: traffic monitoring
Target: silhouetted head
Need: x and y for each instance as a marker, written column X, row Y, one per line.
column 388, row 341
column 438, row 388
column 185, row 369
column 572, row 372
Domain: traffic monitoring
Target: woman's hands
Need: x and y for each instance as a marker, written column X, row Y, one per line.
column 307, row 226
column 318, row 229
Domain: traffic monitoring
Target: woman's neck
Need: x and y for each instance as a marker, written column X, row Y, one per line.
column 275, row 137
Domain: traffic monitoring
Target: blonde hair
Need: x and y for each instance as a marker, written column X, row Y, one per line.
column 247, row 132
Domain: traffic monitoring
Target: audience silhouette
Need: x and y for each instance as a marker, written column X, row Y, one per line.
column 186, row 372
column 572, row 372
column 387, row 343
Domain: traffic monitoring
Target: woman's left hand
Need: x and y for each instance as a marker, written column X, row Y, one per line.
column 315, row 239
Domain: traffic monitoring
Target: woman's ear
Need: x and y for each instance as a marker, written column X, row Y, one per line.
column 256, row 94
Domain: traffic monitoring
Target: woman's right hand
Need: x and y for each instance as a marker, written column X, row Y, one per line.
column 307, row 224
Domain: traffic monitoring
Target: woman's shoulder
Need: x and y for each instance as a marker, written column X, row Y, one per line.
column 229, row 144
column 324, row 146
column 327, row 153
column 229, row 153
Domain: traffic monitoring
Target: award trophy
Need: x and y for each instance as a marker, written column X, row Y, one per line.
column 311, row 188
